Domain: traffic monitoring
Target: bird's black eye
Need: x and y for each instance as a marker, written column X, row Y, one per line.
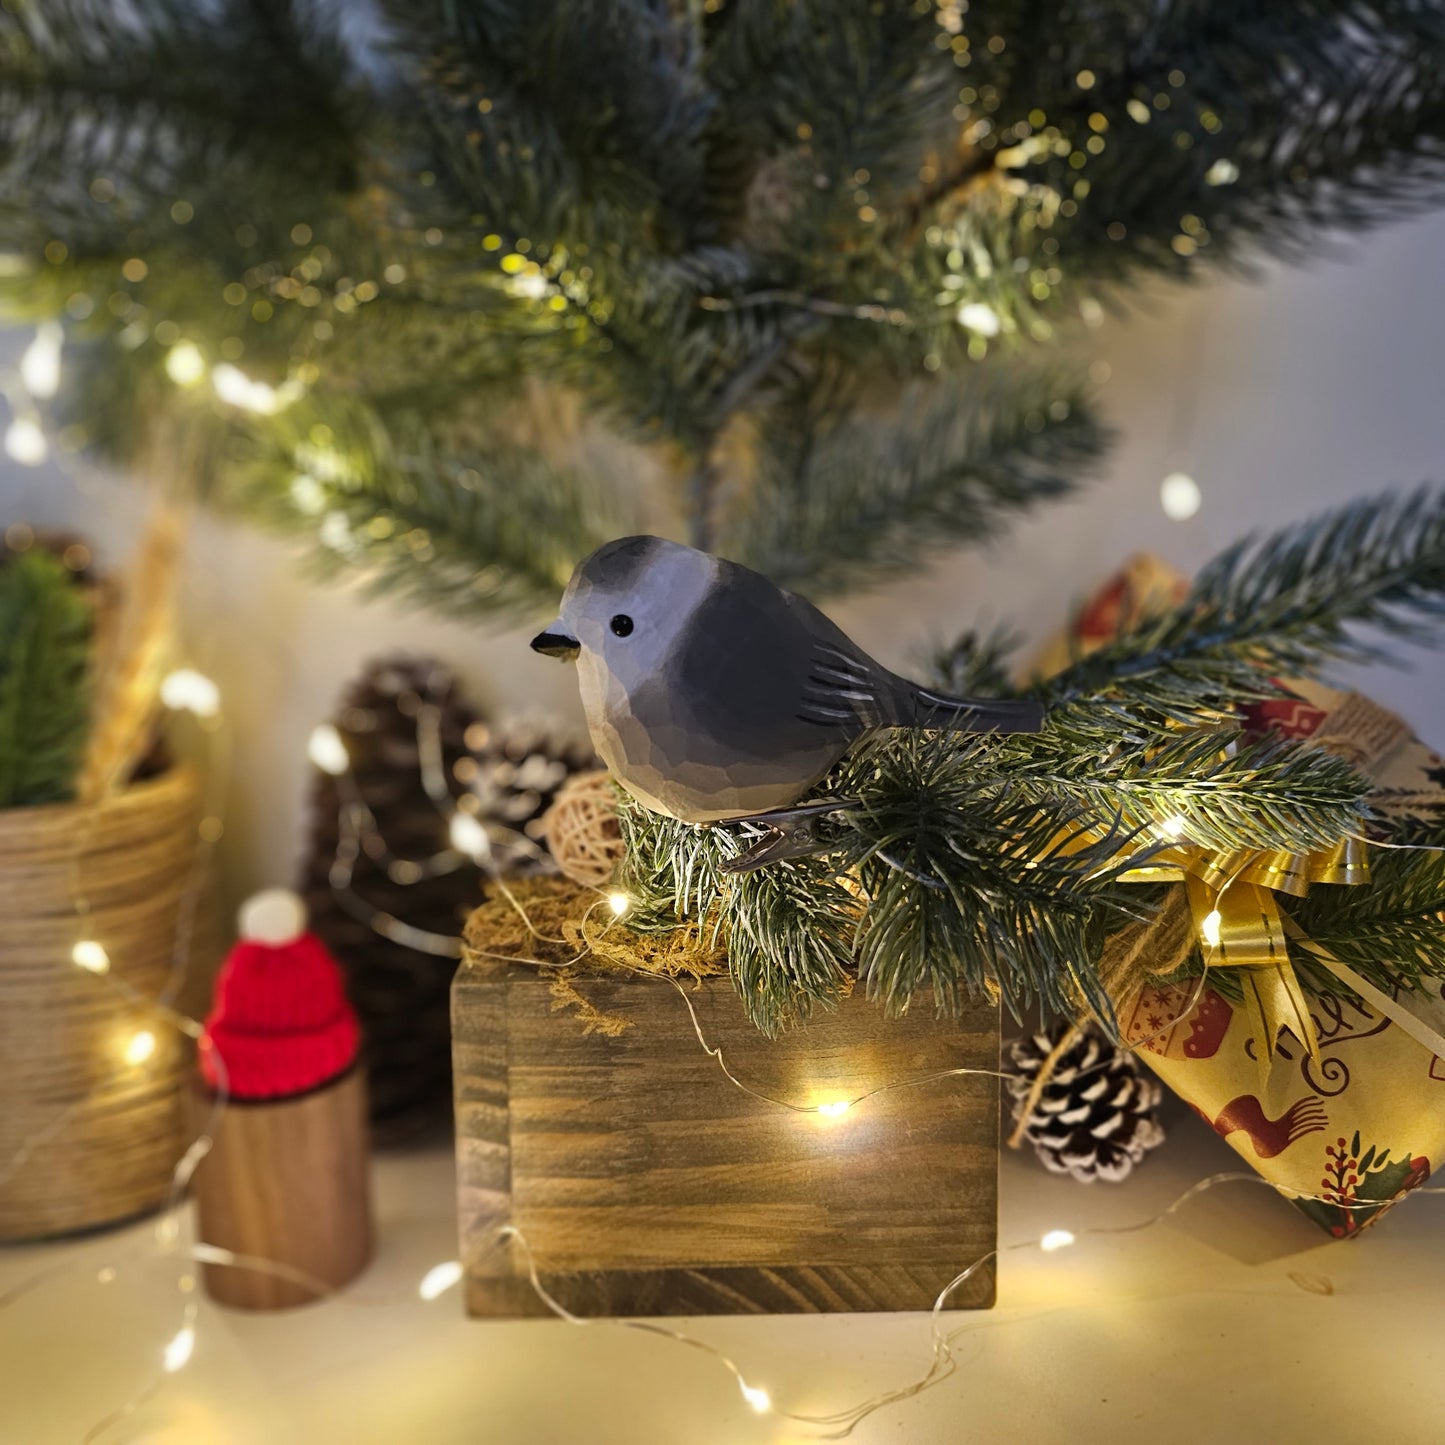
column 622, row 625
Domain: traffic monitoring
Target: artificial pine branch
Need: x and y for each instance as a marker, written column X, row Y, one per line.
column 45, row 633
column 789, row 929
column 974, row 664
column 681, row 215
column 592, row 108
column 1276, row 607
column 136, row 107
column 865, row 500
column 461, row 532
column 1389, row 930
column 1217, row 790
column 973, row 887
column 991, row 865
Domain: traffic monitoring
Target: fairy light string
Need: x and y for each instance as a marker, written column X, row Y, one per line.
column 471, row 842
column 439, row 1279
column 179, row 1348
column 182, row 691
column 91, row 956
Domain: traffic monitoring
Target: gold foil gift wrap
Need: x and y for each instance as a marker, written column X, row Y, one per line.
column 1338, row 1099
column 1348, row 1132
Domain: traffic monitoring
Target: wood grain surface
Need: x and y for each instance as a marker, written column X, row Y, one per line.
column 287, row 1181
column 645, row 1183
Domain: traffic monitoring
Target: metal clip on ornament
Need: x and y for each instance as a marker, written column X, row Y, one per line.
column 788, row 833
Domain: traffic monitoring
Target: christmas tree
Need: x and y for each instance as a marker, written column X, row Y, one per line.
column 463, row 298
column 459, row 299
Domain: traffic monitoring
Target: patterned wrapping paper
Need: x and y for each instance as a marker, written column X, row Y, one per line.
column 1365, row 1123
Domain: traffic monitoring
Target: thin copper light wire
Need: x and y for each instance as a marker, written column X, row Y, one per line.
column 942, row 1363
column 1397, row 847
column 714, row 1051
column 167, row 1228
column 217, row 769
column 941, row 1366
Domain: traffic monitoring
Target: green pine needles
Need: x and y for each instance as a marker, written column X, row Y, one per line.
column 783, row 275
column 980, row 864
column 45, row 633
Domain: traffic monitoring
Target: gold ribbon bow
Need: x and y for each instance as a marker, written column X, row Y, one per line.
column 1239, row 925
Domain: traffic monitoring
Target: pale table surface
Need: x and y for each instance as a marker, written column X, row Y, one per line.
column 1236, row 1321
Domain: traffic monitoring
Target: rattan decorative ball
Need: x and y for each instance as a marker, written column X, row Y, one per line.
column 582, row 830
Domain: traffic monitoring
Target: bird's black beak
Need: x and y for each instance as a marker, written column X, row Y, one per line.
column 556, row 643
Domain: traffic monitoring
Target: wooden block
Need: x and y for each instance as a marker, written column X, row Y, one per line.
column 647, row 1184
column 286, row 1182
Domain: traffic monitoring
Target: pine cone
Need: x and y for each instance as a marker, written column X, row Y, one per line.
column 1097, row 1114
column 401, row 993
column 504, row 778
column 514, row 771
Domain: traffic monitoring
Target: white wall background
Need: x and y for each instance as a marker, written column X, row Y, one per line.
column 1307, row 388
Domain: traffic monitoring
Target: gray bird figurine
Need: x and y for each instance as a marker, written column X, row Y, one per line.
column 711, row 693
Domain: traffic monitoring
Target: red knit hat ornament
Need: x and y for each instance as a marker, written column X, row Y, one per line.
column 281, row 1023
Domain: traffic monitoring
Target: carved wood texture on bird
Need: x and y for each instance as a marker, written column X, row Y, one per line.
column 711, row 693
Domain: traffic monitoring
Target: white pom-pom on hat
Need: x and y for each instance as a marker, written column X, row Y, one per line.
column 275, row 916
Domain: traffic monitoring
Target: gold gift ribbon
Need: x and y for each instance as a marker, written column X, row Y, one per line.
column 1237, row 916
column 1238, row 921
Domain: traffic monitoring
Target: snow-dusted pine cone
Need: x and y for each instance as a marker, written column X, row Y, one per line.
column 1097, row 1115
column 515, row 771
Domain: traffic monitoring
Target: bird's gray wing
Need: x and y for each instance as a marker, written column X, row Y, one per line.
column 846, row 688
column 842, row 689
column 766, row 674
column 842, row 686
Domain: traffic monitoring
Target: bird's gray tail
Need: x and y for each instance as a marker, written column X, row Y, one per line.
column 975, row 714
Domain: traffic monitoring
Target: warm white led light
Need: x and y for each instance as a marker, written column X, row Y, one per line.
column 836, row 1109
column 179, row 1351
column 469, row 836
column 1209, row 927
column 979, row 318
column 760, row 1400
column 619, row 903
column 327, row 751
column 1056, row 1239
column 186, row 690
column 90, row 955
column 1180, row 496
column 439, row 1279
column 184, row 363
column 40, row 362
column 141, row 1046
column 25, row 442
column 1173, row 827
column 308, row 494
column 234, row 386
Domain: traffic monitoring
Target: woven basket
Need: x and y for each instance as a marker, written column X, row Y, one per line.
column 88, row 1137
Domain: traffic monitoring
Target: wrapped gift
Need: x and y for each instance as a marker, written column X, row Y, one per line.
column 1143, row 586
column 1342, row 1108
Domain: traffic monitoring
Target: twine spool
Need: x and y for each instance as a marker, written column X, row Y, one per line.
column 582, row 831
column 88, row 1136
